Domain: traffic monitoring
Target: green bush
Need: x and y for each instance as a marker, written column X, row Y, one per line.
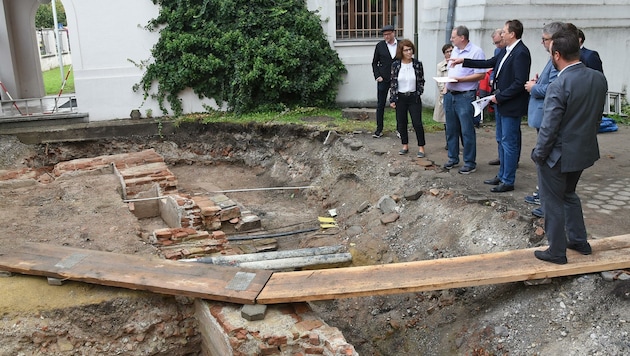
column 254, row 55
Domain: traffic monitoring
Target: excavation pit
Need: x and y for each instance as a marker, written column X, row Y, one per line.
column 452, row 217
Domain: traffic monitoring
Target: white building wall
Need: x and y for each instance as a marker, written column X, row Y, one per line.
column 107, row 35
column 110, row 42
column 605, row 23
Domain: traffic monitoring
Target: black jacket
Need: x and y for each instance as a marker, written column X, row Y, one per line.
column 382, row 61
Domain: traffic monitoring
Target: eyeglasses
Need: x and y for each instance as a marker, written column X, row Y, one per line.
column 496, row 42
column 545, row 39
column 407, row 50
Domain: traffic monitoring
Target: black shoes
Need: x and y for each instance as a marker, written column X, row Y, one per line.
column 377, row 134
column 546, row 256
column 467, row 170
column 493, row 181
column 583, row 248
column 494, row 162
column 502, row 188
column 450, row 164
column 538, row 212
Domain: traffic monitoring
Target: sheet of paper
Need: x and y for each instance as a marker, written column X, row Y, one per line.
column 444, row 80
column 480, row 104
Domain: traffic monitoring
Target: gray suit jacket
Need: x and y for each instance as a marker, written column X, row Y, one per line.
column 572, row 110
column 537, row 95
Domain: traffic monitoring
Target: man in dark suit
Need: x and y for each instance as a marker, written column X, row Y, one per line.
column 566, row 145
column 589, row 57
column 384, row 54
column 511, row 68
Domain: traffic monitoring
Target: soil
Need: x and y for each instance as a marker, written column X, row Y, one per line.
column 457, row 215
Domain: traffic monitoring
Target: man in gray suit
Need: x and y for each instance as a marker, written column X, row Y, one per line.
column 567, row 144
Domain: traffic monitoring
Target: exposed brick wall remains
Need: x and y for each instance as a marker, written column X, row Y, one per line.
column 287, row 330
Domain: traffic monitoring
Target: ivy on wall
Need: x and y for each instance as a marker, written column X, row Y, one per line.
column 254, row 55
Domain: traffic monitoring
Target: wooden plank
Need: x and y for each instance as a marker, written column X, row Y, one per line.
column 222, row 283
column 502, row 267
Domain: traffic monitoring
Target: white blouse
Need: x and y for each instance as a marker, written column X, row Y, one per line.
column 406, row 78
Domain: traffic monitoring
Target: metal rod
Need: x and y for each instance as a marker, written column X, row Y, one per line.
column 143, row 199
column 260, row 189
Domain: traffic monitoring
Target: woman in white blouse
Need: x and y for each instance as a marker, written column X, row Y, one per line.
column 407, row 85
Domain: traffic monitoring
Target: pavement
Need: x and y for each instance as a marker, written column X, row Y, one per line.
column 604, row 189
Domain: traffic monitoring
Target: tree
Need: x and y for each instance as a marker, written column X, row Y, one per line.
column 44, row 15
column 252, row 54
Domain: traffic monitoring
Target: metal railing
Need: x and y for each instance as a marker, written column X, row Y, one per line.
column 48, row 105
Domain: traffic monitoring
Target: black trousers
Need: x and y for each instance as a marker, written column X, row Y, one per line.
column 412, row 105
column 382, row 90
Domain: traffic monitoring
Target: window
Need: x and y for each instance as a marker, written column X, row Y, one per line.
column 358, row 19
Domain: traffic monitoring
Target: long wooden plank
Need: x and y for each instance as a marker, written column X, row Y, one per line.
column 198, row 280
column 502, row 267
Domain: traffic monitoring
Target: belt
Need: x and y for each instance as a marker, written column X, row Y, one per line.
column 410, row 93
column 455, row 92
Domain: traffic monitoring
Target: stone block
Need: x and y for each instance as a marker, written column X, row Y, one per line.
column 55, row 281
column 389, row 218
column 386, row 204
column 253, row 312
column 363, row 207
column 248, row 222
column 230, row 213
column 413, row 194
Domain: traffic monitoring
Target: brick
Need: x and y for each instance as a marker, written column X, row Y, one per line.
column 314, row 350
column 308, row 325
column 277, row 340
column 269, row 350
column 210, row 210
column 230, row 213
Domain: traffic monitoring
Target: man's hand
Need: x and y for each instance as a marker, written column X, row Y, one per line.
column 456, row 61
column 379, row 79
column 393, row 105
column 537, row 159
column 531, row 83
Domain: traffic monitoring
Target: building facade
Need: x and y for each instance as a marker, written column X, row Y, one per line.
column 109, row 43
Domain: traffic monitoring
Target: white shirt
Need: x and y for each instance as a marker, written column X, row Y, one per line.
column 508, row 49
column 392, row 48
column 406, row 78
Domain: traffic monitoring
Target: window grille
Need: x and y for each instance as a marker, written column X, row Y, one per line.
column 363, row 19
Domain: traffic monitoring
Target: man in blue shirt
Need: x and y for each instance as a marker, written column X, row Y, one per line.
column 459, row 94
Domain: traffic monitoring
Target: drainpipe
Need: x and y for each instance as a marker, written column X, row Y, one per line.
column 450, row 19
column 415, row 24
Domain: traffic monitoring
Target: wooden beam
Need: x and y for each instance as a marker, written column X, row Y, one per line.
column 246, row 286
column 502, row 267
column 222, row 283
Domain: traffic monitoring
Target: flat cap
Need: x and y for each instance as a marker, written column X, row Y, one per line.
column 387, row 28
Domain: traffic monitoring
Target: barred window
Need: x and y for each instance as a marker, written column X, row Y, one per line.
column 358, row 19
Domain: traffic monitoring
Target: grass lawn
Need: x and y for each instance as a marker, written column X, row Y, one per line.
column 53, row 81
column 296, row 115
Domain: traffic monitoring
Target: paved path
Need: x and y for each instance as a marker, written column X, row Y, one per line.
column 603, row 188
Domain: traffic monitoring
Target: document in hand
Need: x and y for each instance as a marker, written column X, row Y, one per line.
column 480, row 104
column 444, row 80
